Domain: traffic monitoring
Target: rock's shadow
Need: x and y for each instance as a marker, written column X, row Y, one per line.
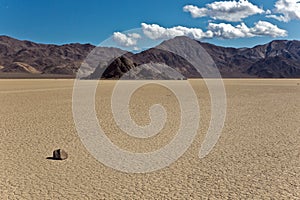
column 52, row 158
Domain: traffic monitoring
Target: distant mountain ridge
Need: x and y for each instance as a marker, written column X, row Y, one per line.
column 29, row 57
column 277, row 59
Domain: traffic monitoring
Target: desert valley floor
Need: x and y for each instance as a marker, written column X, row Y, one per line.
column 256, row 157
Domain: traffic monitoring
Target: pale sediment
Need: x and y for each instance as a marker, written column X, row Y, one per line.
column 256, row 157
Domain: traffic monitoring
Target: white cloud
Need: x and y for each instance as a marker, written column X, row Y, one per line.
column 288, row 10
column 136, row 48
column 195, row 11
column 232, row 11
column 227, row 31
column 126, row 40
column 261, row 28
column 156, row 32
column 222, row 30
column 279, row 18
column 134, row 35
column 268, row 12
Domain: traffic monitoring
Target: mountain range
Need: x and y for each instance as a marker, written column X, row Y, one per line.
column 277, row 59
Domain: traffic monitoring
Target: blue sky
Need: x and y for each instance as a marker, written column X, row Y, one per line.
column 62, row 21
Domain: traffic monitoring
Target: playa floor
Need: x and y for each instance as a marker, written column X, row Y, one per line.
column 256, row 157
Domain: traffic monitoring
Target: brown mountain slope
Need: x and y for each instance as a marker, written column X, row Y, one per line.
column 31, row 58
column 279, row 58
column 47, row 59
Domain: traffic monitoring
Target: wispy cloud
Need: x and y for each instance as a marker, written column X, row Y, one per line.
column 221, row 30
column 261, row 28
column 228, row 31
column 231, row 11
column 286, row 10
column 126, row 40
column 156, row 32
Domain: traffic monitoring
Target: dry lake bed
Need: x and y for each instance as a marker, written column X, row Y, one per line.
column 257, row 155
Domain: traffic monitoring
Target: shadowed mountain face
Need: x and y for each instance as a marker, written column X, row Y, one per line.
column 278, row 59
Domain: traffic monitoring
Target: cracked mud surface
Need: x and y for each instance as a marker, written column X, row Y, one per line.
column 256, row 157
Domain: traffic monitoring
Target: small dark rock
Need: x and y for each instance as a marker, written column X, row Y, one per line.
column 60, row 154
